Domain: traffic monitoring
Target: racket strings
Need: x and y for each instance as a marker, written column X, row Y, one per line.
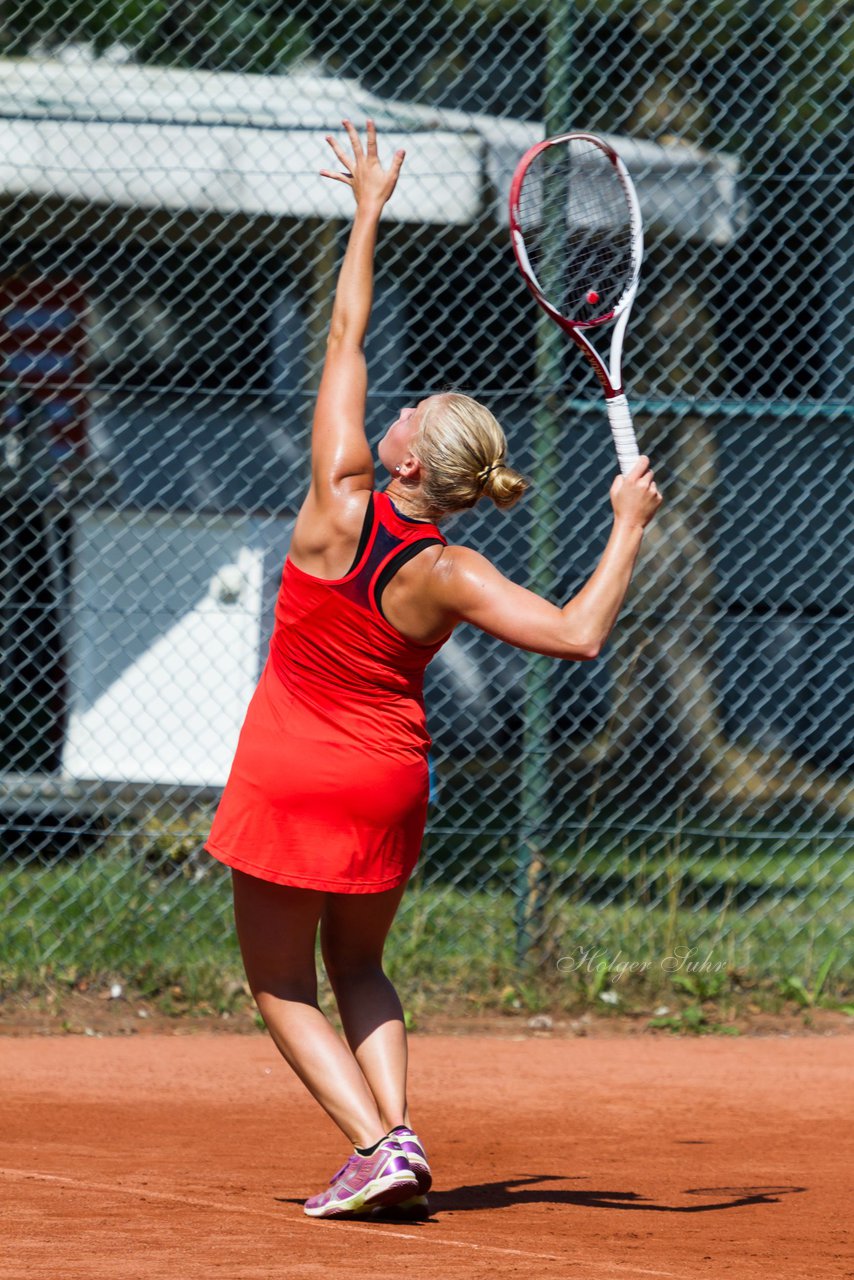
column 576, row 224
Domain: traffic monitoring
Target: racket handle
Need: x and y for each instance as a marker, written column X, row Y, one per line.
column 625, row 441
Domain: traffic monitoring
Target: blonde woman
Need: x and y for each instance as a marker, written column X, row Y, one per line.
column 323, row 814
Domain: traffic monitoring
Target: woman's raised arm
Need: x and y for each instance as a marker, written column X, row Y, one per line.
column 467, row 588
column 341, row 458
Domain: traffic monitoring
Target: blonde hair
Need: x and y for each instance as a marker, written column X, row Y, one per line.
column 461, row 448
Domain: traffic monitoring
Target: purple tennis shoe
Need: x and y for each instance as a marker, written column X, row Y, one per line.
column 415, row 1207
column 366, row 1182
column 410, row 1145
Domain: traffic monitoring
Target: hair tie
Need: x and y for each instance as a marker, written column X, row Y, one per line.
column 484, row 474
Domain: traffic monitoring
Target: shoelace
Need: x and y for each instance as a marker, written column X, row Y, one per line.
column 353, row 1159
column 345, row 1166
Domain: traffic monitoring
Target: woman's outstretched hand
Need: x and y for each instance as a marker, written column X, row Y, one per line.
column 635, row 497
column 363, row 173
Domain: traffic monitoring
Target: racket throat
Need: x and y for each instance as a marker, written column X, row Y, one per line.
column 616, row 370
column 609, row 380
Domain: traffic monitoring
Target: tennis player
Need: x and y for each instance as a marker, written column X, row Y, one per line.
column 323, row 813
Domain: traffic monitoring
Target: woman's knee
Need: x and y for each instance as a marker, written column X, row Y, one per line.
column 344, row 968
column 299, row 988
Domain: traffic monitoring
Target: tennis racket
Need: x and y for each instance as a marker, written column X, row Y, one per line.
column 576, row 229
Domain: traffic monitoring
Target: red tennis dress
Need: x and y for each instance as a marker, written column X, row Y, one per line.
column 329, row 785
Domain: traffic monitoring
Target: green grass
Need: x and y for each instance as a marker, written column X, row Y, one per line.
column 158, row 920
column 100, row 919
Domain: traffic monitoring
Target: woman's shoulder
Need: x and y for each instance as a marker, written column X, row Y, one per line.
column 452, row 569
column 455, row 556
column 327, row 532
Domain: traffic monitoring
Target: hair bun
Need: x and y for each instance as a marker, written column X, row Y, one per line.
column 485, row 472
column 504, row 485
column 456, row 439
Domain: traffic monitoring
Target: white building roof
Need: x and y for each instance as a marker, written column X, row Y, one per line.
column 154, row 138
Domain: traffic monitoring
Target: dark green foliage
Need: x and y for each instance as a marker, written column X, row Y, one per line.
column 206, row 35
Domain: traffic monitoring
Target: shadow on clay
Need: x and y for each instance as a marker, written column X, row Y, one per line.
column 539, row 1189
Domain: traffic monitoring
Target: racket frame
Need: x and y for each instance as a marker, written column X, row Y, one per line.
column 610, row 375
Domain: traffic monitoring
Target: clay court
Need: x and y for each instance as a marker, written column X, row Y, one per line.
column 171, row 1157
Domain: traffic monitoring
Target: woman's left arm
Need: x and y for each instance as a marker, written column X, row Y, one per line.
column 341, row 459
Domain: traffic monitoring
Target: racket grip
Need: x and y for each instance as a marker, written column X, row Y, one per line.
column 625, row 441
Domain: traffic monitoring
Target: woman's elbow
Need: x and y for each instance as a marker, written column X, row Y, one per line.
column 343, row 337
column 583, row 648
column 583, row 632
column 588, row 654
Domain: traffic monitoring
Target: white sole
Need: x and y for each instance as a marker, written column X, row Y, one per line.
column 379, row 1193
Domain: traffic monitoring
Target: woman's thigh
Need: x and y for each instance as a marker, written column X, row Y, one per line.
column 354, row 927
column 277, row 930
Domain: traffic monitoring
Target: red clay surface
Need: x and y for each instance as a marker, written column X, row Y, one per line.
column 175, row 1157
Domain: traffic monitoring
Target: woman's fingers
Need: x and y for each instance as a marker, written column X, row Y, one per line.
column 395, row 166
column 640, row 468
column 337, row 177
column 355, row 140
column 642, row 474
column 363, row 172
column 345, row 160
column 636, row 496
column 344, row 176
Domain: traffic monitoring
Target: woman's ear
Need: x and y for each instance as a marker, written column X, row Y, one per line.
column 410, row 469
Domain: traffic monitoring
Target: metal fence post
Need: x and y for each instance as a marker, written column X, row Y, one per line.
column 532, row 885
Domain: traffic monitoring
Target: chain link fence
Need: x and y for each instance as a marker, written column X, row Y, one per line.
column 165, row 283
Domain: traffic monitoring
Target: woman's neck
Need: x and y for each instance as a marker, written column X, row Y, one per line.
column 408, row 503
